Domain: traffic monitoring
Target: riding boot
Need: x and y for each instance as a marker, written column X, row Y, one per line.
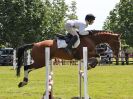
column 68, row 49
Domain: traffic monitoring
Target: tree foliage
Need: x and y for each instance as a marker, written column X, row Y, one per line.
column 27, row 21
column 72, row 11
column 121, row 20
column 20, row 20
column 54, row 19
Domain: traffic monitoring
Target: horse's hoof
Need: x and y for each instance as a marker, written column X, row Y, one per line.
column 92, row 63
column 21, row 84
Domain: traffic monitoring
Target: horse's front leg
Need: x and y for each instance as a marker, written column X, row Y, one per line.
column 92, row 63
column 27, row 69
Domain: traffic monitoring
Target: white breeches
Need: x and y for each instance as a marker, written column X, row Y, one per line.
column 70, row 29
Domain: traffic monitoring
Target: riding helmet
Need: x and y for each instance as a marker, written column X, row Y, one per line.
column 90, row 17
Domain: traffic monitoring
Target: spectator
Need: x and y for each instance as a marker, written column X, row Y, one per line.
column 126, row 57
column 122, row 57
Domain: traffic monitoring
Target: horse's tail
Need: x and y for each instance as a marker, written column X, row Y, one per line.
column 20, row 54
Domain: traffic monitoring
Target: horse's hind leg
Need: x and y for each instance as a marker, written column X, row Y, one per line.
column 27, row 69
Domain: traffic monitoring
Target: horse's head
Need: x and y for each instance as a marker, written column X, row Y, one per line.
column 115, row 44
column 112, row 39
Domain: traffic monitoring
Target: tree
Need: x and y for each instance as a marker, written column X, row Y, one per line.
column 27, row 21
column 72, row 11
column 54, row 18
column 121, row 20
column 20, row 21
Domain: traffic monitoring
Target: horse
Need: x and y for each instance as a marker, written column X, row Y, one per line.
column 90, row 41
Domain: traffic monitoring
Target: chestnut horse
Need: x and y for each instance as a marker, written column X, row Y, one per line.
column 90, row 41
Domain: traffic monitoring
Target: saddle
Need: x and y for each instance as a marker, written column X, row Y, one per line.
column 67, row 37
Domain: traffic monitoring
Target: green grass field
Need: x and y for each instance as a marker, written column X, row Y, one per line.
column 105, row 82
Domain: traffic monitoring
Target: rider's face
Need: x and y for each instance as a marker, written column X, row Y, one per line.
column 90, row 22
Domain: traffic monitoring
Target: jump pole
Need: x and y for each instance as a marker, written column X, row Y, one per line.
column 49, row 76
column 47, row 61
column 80, row 80
column 27, row 57
column 14, row 59
column 85, row 62
column 83, row 74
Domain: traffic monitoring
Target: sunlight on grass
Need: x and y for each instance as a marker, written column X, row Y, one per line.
column 105, row 82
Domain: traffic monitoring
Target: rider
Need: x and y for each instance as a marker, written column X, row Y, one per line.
column 72, row 26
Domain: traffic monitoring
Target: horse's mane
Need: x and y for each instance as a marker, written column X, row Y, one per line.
column 103, row 32
column 94, row 33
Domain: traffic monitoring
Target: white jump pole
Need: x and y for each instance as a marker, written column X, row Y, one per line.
column 14, row 59
column 84, row 74
column 80, row 80
column 28, row 57
column 85, row 62
column 47, row 61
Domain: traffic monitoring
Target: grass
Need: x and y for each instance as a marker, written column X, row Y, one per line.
column 105, row 82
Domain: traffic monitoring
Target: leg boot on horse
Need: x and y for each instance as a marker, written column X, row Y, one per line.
column 25, row 79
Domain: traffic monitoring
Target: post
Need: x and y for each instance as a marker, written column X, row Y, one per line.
column 80, row 80
column 14, row 59
column 85, row 62
column 83, row 74
column 51, row 80
column 28, row 57
column 47, row 61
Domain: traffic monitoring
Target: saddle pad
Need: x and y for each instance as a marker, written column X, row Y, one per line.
column 62, row 43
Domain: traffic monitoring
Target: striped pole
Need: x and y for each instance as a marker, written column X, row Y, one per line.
column 80, row 80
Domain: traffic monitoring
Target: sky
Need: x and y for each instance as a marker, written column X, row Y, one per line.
column 99, row 8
